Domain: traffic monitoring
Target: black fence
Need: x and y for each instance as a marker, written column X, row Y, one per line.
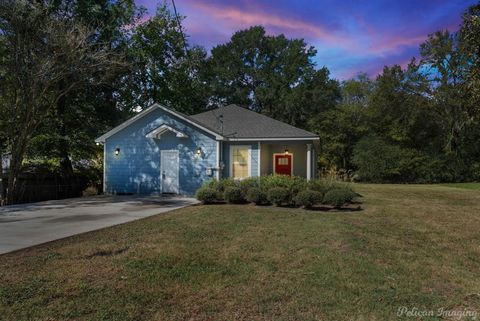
column 33, row 190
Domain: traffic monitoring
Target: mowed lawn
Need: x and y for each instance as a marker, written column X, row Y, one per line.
column 411, row 246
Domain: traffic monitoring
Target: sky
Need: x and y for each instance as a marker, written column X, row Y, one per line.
column 350, row 36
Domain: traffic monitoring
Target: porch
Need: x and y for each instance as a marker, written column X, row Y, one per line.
column 258, row 158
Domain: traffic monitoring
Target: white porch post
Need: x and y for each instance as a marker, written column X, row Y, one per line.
column 219, row 152
column 259, row 159
column 309, row 162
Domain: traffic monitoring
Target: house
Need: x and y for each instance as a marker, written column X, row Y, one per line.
column 164, row 151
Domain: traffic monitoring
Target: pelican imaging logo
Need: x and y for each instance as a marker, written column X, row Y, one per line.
column 457, row 314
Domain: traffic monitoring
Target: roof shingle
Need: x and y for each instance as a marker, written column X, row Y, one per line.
column 240, row 122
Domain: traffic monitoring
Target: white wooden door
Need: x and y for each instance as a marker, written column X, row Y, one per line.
column 169, row 171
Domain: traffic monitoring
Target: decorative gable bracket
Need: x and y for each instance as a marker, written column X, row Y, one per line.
column 159, row 131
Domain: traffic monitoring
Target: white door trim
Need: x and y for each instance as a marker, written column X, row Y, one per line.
column 161, row 168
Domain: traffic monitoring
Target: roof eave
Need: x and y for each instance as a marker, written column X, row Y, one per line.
column 145, row 112
column 273, row 138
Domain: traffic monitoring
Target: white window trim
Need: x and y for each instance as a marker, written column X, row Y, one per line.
column 275, row 167
column 249, row 164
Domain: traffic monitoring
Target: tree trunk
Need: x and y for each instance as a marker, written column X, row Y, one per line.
column 18, row 150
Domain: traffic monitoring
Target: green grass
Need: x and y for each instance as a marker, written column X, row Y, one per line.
column 474, row 186
column 411, row 245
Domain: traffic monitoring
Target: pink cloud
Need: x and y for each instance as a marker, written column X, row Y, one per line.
column 236, row 19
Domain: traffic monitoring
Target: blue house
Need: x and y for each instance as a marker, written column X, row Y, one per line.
column 164, row 151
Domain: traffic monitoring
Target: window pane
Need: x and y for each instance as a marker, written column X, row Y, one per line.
column 240, row 162
column 283, row 161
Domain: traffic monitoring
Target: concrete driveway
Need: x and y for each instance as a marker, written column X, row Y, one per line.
column 25, row 225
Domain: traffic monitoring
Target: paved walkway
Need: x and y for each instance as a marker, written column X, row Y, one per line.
column 25, row 225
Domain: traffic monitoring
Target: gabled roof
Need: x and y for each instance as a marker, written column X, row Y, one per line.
column 242, row 124
column 145, row 112
column 228, row 123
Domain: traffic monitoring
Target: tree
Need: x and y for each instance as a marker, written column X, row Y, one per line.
column 272, row 75
column 446, row 63
column 470, row 37
column 68, row 130
column 166, row 69
column 341, row 127
column 46, row 57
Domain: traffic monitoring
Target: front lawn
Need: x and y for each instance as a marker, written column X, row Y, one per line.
column 411, row 246
column 474, row 186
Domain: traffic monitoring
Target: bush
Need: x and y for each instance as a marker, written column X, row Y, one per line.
column 247, row 183
column 338, row 197
column 279, row 196
column 320, row 185
column 293, row 184
column 378, row 161
column 221, row 185
column 233, row 195
column 308, row 198
column 207, row 195
column 256, row 195
column 90, row 191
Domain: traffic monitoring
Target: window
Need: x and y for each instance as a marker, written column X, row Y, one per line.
column 283, row 161
column 240, row 159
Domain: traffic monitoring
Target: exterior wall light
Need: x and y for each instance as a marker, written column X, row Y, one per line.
column 198, row 152
column 117, row 151
column 286, row 150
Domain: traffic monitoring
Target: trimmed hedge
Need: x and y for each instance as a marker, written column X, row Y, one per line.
column 257, row 196
column 279, row 190
column 233, row 194
column 308, row 198
column 207, row 195
column 279, row 196
column 338, row 197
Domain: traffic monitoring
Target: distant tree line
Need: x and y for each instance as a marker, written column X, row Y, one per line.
column 71, row 69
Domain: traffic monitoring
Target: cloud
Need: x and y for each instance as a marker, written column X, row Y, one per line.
column 350, row 36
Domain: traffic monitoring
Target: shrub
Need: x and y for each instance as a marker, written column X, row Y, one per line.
column 320, row 185
column 220, row 185
column 90, row 191
column 279, row 196
column 207, row 195
column 256, row 195
column 338, row 197
column 293, row 184
column 233, row 195
column 247, row 183
column 308, row 198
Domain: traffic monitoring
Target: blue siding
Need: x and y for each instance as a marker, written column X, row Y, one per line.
column 137, row 168
column 254, row 156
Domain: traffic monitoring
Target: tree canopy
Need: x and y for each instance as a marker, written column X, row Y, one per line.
column 70, row 70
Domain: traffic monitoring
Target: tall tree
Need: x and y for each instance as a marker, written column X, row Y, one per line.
column 341, row 127
column 272, row 75
column 68, row 131
column 470, row 37
column 41, row 53
column 167, row 70
column 446, row 64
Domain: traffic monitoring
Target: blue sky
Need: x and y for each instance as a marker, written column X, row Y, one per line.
column 350, row 36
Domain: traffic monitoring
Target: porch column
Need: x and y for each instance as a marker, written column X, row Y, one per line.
column 219, row 153
column 309, row 162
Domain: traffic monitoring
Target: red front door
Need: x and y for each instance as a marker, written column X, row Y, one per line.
column 283, row 164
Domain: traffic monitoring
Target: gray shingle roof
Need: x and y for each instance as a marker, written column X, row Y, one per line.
column 240, row 122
